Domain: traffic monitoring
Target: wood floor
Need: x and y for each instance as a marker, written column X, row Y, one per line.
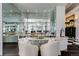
column 12, row 50
column 72, row 50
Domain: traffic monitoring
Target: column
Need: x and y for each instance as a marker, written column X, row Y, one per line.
column 60, row 19
column 1, row 29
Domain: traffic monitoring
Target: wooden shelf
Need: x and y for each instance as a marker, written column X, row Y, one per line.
column 70, row 21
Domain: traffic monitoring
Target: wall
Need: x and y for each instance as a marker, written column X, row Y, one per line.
column 1, row 29
column 77, row 29
column 77, row 25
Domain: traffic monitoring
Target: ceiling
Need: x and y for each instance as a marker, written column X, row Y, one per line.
column 71, row 6
column 34, row 7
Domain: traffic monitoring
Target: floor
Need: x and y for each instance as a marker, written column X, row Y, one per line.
column 72, row 50
column 10, row 49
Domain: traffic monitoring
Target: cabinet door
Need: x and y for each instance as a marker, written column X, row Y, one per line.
column 70, row 31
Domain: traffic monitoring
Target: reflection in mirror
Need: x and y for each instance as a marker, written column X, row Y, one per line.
column 37, row 24
column 21, row 22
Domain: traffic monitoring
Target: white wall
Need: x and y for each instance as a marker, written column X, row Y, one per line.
column 77, row 29
column 0, row 29
column 77, row 24
column 60, row 19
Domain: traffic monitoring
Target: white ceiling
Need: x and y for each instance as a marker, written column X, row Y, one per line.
column 32, row 7
column 68, row 5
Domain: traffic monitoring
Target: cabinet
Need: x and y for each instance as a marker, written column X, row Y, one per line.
column 70, row 28
column 70, row 21
column 70, row 32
